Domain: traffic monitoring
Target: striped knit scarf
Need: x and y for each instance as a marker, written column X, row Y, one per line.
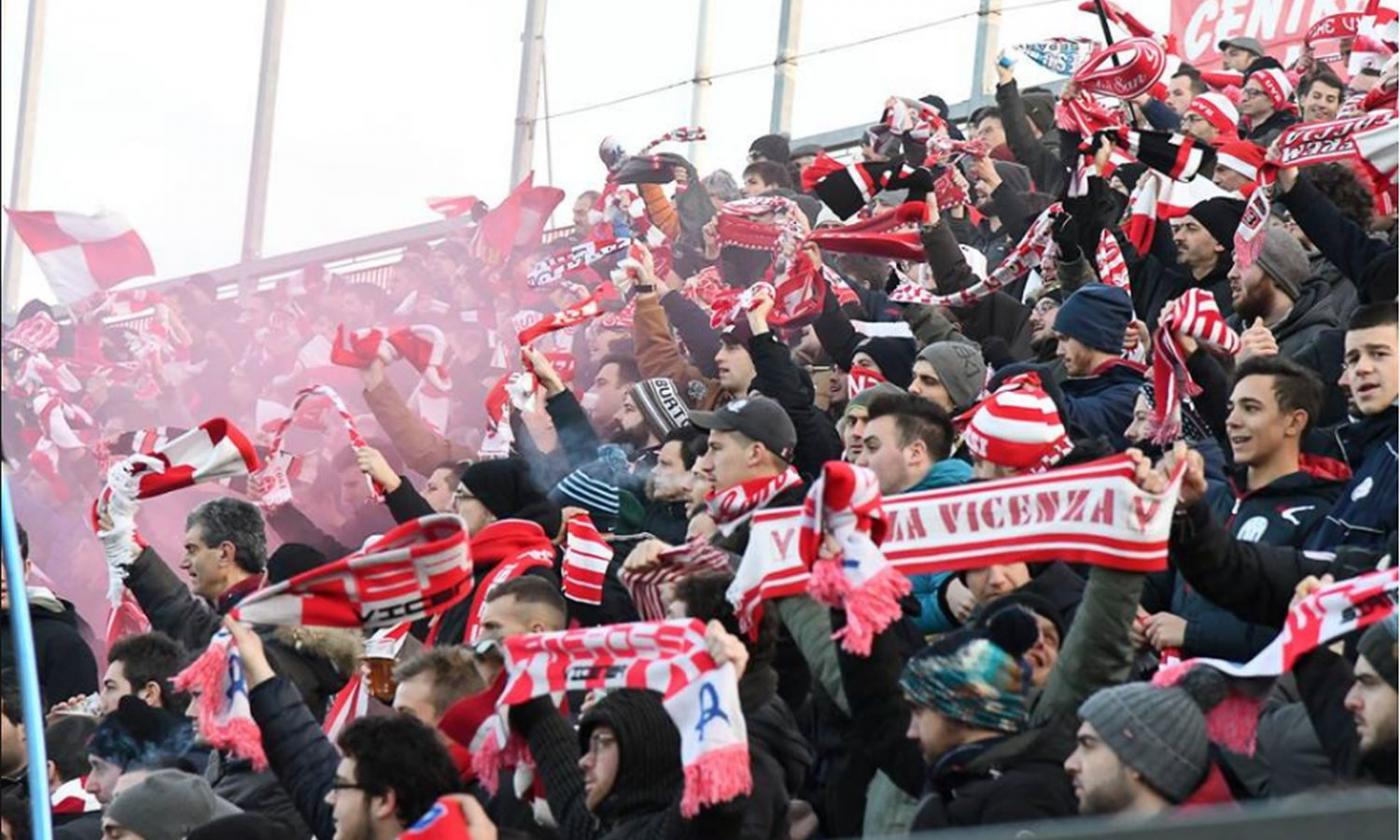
column 1031, row 252
column 699, row 556
column 273, row 480
column 1193, row 314
column 586, row 559
column 1090, row 513
column 668, row 657
column 420, row 568
column 733, row 507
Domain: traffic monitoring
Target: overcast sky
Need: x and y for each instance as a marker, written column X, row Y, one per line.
column 146, row 107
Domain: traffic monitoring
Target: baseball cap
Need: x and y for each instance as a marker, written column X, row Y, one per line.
column 757, row 417
column 1246, row 44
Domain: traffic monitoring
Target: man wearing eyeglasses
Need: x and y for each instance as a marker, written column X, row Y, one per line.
column 1265, row 106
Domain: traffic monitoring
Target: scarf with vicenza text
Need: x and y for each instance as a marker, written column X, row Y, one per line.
column 733, row 507
column 1091, row 513
column 668, row 657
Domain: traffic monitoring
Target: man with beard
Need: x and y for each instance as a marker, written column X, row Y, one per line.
column 1143, row 749
column 650, row 410
column 1199, row 254
column 1283, row 312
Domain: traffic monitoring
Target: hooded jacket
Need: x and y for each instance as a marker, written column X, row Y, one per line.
column 65, row 662
column 1312, row 313
column 644, row 801
column 502, row 550
column 1157, row 278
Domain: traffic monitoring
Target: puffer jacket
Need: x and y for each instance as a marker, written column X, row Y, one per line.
column 256, row 792
column 1101, row 405
column 929, row 589
column 1364, row 516
column 1001, row 780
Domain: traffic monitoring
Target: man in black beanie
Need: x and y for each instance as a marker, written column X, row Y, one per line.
column 891, row 357
column 1200, row 255
column 770, row 147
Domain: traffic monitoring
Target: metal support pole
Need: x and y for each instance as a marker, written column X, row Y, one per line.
column 701, row 84
column 984, row 52
column 261, row 163
column 527, row 104
column 22, row 631
column 785, row 66
column 24, row 148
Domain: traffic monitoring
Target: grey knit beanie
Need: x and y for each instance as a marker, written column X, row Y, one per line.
column 960, row 367
column 1159, row 732
column 1377, row 644
column 167, row 805
column 1283, row 259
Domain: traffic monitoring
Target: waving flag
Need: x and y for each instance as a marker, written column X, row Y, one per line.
column 82, row 255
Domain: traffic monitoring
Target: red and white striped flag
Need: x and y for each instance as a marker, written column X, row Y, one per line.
column 586, row 558
column 82, row 255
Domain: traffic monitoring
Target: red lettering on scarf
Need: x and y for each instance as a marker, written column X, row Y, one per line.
column 782, row 540
column 1078, row 500
column 1103, row 512
column 1145, row 509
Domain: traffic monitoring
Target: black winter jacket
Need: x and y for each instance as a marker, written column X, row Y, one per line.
column 779, row 377
column 298, row 752
column 65, row 662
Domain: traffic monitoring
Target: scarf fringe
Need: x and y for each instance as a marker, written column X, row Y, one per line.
column 240, row 736
column 716, row 776
column 870, row 607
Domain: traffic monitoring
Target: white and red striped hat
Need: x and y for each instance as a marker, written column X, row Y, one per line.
column 1216, row 109
column 1275, row 83
column 1241, row 156
column 1018, row 426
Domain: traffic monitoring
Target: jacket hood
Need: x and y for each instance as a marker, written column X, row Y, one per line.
column 950, row 472
column 1356, row 438
column 649, row 776
column 1312, row 310
column 341, row 648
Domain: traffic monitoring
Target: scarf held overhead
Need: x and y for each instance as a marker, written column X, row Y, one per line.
column 1090, row 513
column 668, row 657
column 418, row 569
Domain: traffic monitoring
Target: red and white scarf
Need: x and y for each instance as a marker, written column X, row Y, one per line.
column 72, row 797
column 862, row 379
column 733, row 507
column 275, row 486
column 684, row 134
column 845, row 504
column 1090, row 513
column 420, row 568
column 586, row 559
column 1371, row 138
column 1194, row 314
column 699, row 556
column 730, row 303
column 423, row 345
column 1113, row 269
column 1104, row 74
column 551, row 271
column 1327, row 614
column 1031, row 252
column 215, row 449
column 571, row 316
column 668, row 657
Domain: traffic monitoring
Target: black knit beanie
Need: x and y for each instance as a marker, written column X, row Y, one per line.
column 1221, row 216
column 649, row 776
column 503, row 485
column 895, row 356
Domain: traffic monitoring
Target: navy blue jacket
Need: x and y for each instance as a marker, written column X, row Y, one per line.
column 1102, row 404
column 1364, row 516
